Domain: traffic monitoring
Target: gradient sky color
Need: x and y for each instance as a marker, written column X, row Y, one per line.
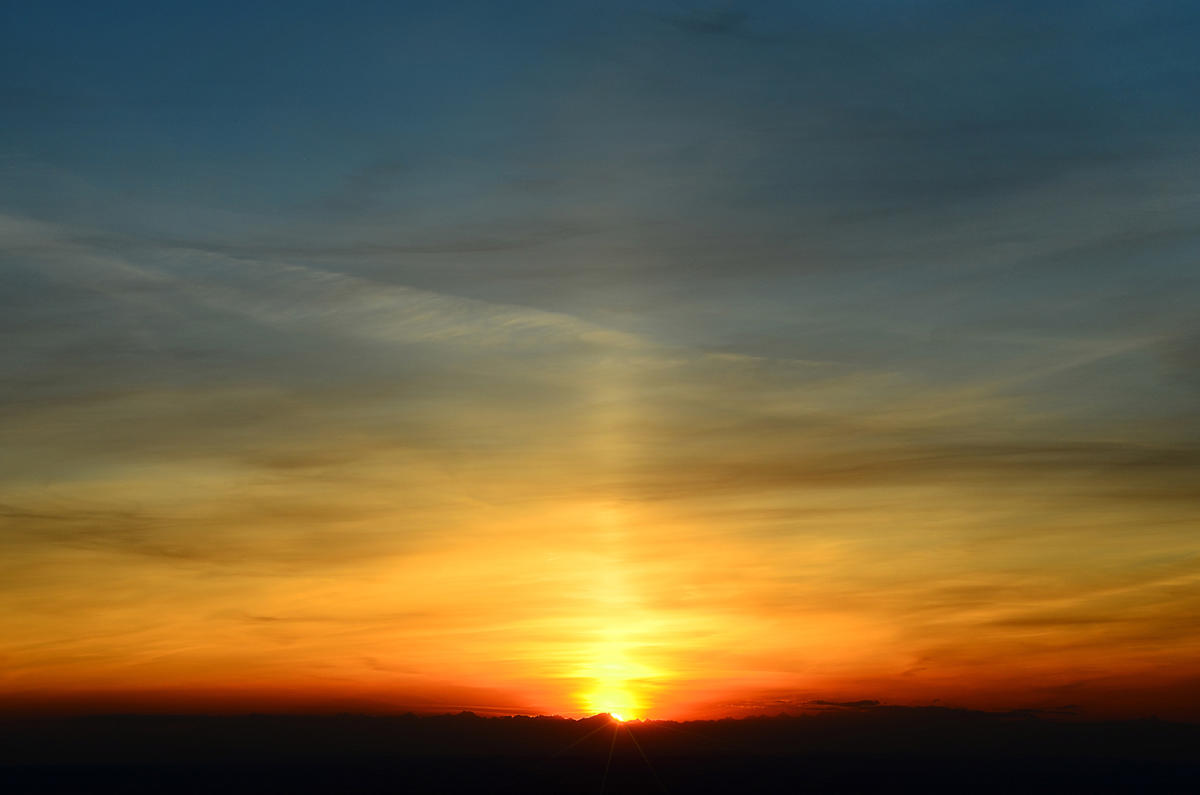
column 663, row 358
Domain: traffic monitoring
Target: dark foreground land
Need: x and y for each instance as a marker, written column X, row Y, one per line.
column 880, row 749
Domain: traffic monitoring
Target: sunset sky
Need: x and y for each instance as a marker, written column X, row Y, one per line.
column 664, row 358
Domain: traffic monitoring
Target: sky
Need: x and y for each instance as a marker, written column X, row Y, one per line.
column 662, row 358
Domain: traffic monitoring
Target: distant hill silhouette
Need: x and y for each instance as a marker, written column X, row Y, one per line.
column 865, row 749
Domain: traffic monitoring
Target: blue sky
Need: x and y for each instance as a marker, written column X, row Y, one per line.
column 947, row 185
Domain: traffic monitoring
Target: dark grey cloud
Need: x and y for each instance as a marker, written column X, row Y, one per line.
column 1103, row 470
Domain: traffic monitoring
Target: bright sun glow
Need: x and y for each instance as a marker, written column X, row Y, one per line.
column 616, row 701
column 617, row 717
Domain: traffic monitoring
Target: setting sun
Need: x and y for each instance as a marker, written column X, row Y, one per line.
column 618, row 702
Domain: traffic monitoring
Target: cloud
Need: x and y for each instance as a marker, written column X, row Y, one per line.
column 726, row 21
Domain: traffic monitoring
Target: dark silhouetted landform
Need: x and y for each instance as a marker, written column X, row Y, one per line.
column 861, row 747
